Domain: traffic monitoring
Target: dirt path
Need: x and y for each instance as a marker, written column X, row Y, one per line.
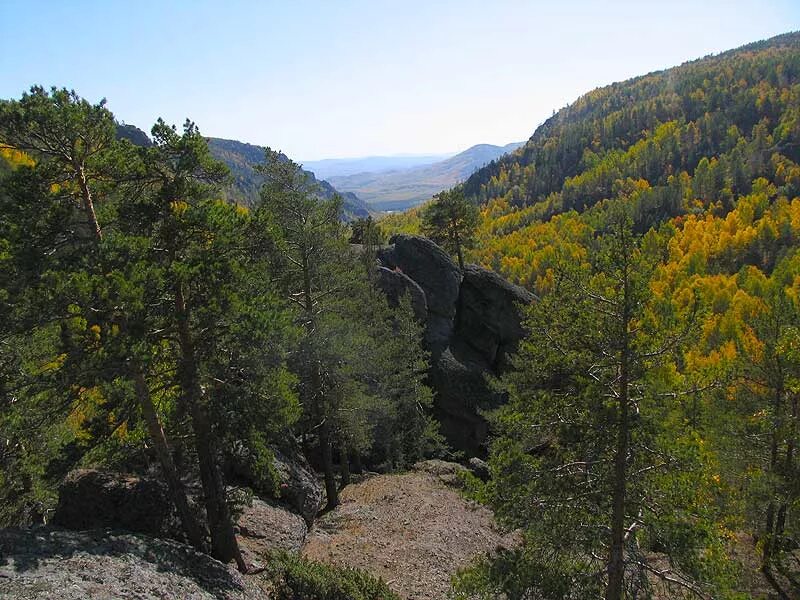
column 412, row 530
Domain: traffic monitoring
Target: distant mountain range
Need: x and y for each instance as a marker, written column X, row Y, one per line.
column 334, row 167
column 240, row 158
column 403, row 187
column 373, row 183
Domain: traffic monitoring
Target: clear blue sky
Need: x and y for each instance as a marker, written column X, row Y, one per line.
column 349, row 78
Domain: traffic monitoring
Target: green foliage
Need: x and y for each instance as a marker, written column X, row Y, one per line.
column 450, row 221
column 296, row 578
column 359, row 364
column 592, row 441
column 367, row 232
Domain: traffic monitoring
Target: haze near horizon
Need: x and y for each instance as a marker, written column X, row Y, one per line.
column 356, row 79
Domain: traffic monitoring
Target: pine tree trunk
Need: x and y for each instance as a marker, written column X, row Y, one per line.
column 191, row 527
column 88, row 203
column 769, row 525
column 356, row 458
column 616, row 564
column 326, row 447
column 457, row 240
column 344, row 464
column 224, row 546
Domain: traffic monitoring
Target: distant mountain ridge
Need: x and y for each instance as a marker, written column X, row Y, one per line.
column 335, row 167
column 240, row 158
column 403, row 188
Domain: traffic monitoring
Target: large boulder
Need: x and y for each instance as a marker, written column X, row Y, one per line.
column 265, row 526
column 473, row 325
column 490, row 314
column 91, row 499
column 438, row 276
column 44, row 563
column 299, row 487
column 396, row 284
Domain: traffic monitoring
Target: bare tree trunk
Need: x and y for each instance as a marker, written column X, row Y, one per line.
column 769, row 529
column 224, row 546
column 457, row 240
column 344, row 464
column 326, row 447
column 88, row 203
column 191, row 527
column 616, row 564
column 357, row 466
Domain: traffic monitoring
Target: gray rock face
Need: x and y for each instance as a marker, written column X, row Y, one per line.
column 264, row 527
column 396, row 284
column 479, row 468
column 430, row 267
column 490, row 316
column 473, row 325
column 462, row 392
column 299, row 487
column 90, row 499
column 42, row 563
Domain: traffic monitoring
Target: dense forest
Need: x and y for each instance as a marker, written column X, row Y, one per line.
column 647, row 442
column 658, row 222
column 151, row 326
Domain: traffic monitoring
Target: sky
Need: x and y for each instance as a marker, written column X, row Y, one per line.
column 334, row 79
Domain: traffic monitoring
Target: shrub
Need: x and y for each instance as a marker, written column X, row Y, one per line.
column 296, row 578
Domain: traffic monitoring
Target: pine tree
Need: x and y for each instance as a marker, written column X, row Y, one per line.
column 450, row 221
column 593, row 460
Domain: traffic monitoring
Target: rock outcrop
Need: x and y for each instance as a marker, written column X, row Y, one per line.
column 489, row 315
column 473, row 323
column 40, row 564
column 91, row 499
column 434, row 271
column 298, row 487
column 396, row 284
column 264, row 527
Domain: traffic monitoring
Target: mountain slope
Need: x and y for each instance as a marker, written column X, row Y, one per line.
column 401, row 189
column 655, row 126
column 240, row 158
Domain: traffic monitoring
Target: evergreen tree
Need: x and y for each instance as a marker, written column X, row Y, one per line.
column 450, row 220
column 594, row 461
column 312, row 262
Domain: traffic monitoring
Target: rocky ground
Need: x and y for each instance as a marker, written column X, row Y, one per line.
column 70, row 565
column 414, row 530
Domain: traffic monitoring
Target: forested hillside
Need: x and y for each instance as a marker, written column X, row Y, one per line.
column 737, row 110
column 245, row 181
column 240, row 158
column 658, row 221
